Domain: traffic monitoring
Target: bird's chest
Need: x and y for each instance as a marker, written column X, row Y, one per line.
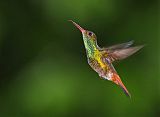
column 98, row 64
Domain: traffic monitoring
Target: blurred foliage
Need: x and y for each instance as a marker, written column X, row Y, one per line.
column 43, row 67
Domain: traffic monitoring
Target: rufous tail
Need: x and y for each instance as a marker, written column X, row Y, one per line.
column 116, row 79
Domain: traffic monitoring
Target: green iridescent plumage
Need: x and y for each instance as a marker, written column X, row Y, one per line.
column 100, row 59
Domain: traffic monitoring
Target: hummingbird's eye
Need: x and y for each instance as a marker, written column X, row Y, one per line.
column 90, row 33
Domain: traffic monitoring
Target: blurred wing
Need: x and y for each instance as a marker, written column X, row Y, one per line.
column 119, row 54
column 120, row 46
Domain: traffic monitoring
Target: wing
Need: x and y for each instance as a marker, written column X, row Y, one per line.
column 119, row 54
column 121, row 51
column 120, row 46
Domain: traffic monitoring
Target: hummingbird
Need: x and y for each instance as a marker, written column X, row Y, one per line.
column 101, row 59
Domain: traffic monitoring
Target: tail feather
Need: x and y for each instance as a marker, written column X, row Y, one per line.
column 125, row 91
column 116, row 79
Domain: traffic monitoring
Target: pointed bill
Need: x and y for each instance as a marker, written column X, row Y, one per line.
column 80, row 28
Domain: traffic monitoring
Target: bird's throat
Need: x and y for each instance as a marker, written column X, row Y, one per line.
column 90, row 46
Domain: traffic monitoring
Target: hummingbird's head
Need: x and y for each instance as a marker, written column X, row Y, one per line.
column 89, row 39
column 88, row 35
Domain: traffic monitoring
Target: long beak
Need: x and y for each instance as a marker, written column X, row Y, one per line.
column 80, row 28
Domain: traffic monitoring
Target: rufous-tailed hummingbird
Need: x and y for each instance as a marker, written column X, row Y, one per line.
column 100, row 59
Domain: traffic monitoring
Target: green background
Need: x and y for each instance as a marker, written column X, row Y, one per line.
column 43, row 65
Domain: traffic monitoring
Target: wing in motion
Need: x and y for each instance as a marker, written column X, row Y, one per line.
column 120, row 46
column 120, row 54
column 121, row 51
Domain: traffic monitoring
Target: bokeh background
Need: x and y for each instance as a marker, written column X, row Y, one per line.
column 43, row 65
